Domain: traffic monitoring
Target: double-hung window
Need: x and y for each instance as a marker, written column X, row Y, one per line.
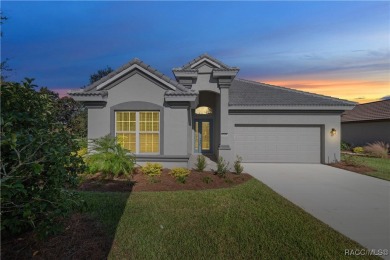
column 138, row 131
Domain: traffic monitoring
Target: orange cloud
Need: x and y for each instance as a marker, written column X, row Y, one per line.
column 357, row 91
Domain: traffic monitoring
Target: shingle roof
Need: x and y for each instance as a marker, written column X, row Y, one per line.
column 205, row 55
column 378, row 110
column 190, row 92
column 91, row 89
column 89, row 93
column 251, row 93
column 141, row 64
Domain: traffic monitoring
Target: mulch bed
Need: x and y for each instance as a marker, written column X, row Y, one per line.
column 165, row 182
column 353, row 168
column 83, row 238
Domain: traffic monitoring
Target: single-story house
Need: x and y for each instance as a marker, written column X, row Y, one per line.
column 366, row 123
column 207, row 110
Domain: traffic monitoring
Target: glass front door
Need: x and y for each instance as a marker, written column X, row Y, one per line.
column 203, row 136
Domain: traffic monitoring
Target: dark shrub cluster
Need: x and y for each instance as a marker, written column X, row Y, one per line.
column 38, row 161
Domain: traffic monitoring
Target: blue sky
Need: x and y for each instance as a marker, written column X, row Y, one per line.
column 336, row 48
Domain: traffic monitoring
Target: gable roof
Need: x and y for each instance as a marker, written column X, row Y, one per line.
column 205, row 57
column 379, row 110
column 251, row 93
column 136, row 64
column 243, row 93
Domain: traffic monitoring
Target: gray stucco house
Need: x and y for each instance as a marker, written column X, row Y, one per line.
column 207, row 110
column 366, row 123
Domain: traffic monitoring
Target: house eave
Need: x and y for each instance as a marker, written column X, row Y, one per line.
column 185, row 74
column 192, row 100
column 132, row 67
column 366, row 121
column 224, row 73
column 291, row 107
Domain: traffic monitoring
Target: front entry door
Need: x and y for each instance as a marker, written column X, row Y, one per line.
column 203, row 136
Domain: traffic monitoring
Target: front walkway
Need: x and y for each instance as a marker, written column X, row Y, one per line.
column 357, row 206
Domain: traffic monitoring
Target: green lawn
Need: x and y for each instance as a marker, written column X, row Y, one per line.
column 380, row 165
column 249, row 221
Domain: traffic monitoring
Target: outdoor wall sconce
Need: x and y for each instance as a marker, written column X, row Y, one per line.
column 333, row 132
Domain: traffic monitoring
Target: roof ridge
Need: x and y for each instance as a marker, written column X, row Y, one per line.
column 299, row 91
column 369, row 103
column 205, row 55
column 139, row 62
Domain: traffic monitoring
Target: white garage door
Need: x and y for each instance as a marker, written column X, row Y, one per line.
column 278, row 144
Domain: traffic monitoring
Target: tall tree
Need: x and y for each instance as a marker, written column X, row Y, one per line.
column 100, row 74
column 4, row 64
column 68, row 112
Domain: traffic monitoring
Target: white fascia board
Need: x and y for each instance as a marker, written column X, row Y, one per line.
column 135, row 66
column 292, row 107
column 205, row 59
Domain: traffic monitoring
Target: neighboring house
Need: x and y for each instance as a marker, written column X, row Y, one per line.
column 208, row 111
column 366, row 123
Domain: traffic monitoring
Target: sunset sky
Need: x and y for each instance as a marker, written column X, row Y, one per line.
column 341, row 49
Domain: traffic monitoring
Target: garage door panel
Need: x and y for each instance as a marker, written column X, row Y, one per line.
column 278, row 144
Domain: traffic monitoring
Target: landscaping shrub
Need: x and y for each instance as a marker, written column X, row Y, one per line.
column 109, row 158
column 200, row 163
column 350, row 160
column 344, row 146
column 377, row 149
column 180, row 174
column 238, row 168
column 38, row 162
column 207, row 179
column 152, row 169
column 358, row 149
column 222, row 167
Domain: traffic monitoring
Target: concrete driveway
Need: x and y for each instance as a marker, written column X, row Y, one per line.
column 357, row 206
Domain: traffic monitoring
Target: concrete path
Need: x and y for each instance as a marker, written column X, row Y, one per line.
column 357, row 206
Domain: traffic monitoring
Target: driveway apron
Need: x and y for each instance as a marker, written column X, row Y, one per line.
column 356, row 205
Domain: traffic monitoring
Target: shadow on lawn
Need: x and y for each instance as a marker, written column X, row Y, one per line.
column 105, row 206
column 88, row 234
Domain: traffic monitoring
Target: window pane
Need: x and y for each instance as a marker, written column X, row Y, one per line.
column 126, row 116
column 132, row 116
column 118, row 116
column 132, row 126
column 149, row 126
column 156, row 126
column 118, row 126
column 203, row 111
column 127, row 141
column 155, row 143
column 142, row 116
column 149, row 143
column 142, row 126
column 155, row 116
column 205, row 136
column 196, row 136
column 125, row 126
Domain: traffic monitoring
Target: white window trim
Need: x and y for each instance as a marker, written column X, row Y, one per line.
column 137, row 131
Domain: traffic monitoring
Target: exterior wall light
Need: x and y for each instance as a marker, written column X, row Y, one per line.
column 333, row 132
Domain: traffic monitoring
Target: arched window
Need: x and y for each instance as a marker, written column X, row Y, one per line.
column 203, row 111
